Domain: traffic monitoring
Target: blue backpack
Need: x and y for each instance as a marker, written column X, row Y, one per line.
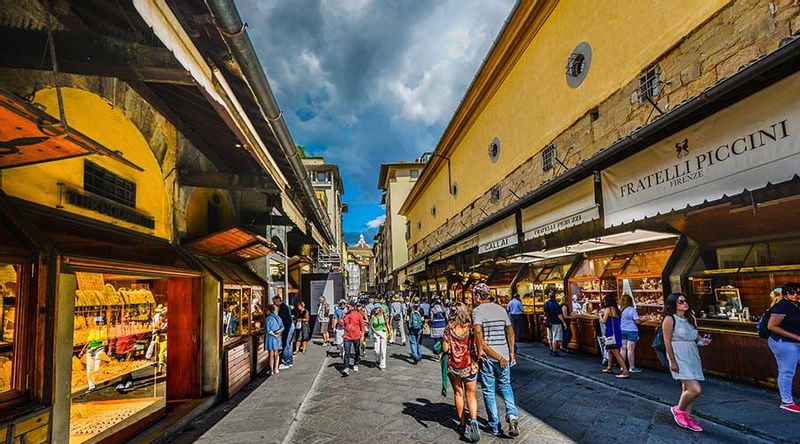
column 415, row 322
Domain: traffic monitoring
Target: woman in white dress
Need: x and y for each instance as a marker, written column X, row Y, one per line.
column 679, row 328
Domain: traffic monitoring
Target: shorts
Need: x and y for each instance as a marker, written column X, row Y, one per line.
column 472, row 377
column 555, row 332
column 630, row 336
column 323, row 327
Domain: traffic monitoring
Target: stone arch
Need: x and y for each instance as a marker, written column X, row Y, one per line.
column 94, row 116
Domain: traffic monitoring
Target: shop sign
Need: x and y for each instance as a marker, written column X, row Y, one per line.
column 564, row 222
column 569, row 207
column 415, row 268
column 743, row 147
column 500, row 235
column 110, row 208
column 464, row 245
column 498, row 244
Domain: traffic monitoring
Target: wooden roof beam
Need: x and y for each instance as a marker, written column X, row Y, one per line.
column 90, row 53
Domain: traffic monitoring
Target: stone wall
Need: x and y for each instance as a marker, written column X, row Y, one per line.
column 738, row 34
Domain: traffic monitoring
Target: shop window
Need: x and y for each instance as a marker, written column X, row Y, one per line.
column 104, row 183
column 119, row 364
column 549, row 157
column 243, row 311
column 649, row 84
column 10, row 276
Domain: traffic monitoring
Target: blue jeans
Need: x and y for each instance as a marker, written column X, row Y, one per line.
column 493, row 378
column 286, row 354
column 415, row 340
column 787, row 355
column 516, row 323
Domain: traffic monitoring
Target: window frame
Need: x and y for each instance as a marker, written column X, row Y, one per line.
column 119, row 194
column 25, row 335
column 549, row 152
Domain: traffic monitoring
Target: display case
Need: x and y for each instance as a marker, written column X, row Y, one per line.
column 642, row 279
column 9, row 285
column 594, row 278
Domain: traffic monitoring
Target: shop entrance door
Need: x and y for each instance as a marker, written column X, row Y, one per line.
column 183, row 336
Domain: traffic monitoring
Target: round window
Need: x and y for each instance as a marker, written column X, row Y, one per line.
column 494, row 149
column 578, row 64
column 454, row 189
column 433, row 211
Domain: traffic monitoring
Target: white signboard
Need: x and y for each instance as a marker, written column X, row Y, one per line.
column 321, row 288
column 743, row 147
column 569, row 207
column 500, row 235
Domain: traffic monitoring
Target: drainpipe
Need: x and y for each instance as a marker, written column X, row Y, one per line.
column 230, row 25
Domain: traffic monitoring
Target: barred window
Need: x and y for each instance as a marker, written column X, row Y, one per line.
column 104, row 183
column 649, row 84
column 549, row 158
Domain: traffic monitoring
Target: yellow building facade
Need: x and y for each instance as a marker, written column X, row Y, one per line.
column 522, row 102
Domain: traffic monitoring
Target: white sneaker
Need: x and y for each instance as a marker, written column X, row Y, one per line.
column 355, row 368
column 284, row 367
column 346, row 371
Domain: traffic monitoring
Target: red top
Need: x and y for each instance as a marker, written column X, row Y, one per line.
column 354, row 325
column 462, row 350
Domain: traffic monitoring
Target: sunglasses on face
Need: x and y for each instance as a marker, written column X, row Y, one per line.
column 682, row 301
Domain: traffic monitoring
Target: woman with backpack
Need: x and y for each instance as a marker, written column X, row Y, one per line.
column 416, row 321
column 462, row 368
column 681, row 339
column 438, row 322
column 784, row 341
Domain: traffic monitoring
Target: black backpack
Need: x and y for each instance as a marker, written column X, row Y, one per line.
column 763, row 321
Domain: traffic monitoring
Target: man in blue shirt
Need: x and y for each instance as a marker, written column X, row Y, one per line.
column 516, row 314
column 556, row 322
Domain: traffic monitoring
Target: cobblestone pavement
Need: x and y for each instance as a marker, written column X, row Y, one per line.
column 404, row 405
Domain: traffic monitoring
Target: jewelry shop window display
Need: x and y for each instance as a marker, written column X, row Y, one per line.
column 9, row 285
column 119, row 352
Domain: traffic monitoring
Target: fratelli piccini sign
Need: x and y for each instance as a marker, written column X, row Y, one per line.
column 743, row 147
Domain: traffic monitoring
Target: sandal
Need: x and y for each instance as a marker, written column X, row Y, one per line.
column 607, row 370
column 624, row 376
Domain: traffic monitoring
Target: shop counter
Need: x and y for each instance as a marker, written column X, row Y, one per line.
column 260, row 355
column 237, row 364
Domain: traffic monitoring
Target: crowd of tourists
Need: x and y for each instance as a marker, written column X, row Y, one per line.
column 477, row 342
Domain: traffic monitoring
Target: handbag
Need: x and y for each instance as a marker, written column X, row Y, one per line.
column 609, row 340
column 658, row 341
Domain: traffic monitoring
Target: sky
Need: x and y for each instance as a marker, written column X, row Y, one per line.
column 365, row 82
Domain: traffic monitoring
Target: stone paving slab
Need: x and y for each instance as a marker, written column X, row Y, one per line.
column 313, row 403
column 722, row 402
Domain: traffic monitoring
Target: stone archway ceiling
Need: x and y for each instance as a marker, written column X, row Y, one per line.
column 28, row 135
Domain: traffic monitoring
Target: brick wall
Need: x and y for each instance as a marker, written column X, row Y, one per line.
column 738, row 34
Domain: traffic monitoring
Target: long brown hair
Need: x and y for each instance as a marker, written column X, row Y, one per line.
column 671, row 307
column 459, row 314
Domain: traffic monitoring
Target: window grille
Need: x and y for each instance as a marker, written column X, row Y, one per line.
column 549, row 158
column 104, row 183
column 649, row 84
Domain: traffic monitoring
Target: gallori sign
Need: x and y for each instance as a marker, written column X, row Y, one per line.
column 743, row 147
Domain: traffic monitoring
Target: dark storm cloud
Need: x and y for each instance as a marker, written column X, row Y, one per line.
column 363, row 82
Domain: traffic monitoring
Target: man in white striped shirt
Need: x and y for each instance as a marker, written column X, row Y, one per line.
column 494, row 337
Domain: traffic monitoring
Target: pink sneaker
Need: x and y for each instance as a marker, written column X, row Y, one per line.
column 680, row 417
column 791, row 407
column 693, row 426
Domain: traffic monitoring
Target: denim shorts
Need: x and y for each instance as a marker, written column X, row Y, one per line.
column 630, row 336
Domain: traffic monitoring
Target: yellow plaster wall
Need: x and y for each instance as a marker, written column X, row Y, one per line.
column 197, row 212
column 95, row 117
column 534, row 103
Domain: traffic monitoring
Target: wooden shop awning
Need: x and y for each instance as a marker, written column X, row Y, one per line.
column 232, row 273
column 28, row 135
column 234, row 244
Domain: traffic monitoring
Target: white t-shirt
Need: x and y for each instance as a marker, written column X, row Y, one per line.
column 494, row 320
column 628, row 318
